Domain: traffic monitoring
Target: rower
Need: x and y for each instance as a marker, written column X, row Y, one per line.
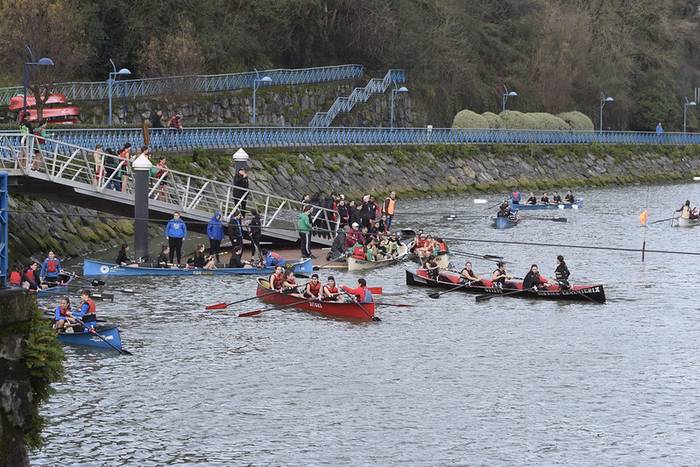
column 289, row 286
column 122, row 258
column 468, row 275
column 433, row 269
column 686, row 212
column 556, row 199
column 236, row 260
column 63, row 316
column 562, row 273
column 361, row 293
column 87, row 312
column 312, row 289
column 569, row 198
column 330, row 290
column 515, row 196
column 276, row 279
column 504, row 210
column 162, row 260
column 500, row 275
column 50, row 269
column 533, row 279
column 532, row 199
column 29, row 279
column 273, row 259
column 544, row 199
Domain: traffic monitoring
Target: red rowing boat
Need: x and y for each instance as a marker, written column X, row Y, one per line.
column 345, row 310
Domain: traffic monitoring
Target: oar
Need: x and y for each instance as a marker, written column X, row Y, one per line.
column 95, row 333
column 398, row 305
column 662, row 220
column 278, row 307
column 102, row 296
column 223, row 306
column 553, row 219
column 364, row 310
column 483, row 298
column 477, row 256
column 437, row 295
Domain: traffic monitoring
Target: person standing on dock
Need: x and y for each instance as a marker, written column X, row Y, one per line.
column 240, row 190
column 235, row 229
column 388, row 209
column 215, row 232
column 255, row 232
column 175, row 232
column 304, row 227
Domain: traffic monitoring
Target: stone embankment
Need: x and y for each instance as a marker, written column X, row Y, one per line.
column 434, row 171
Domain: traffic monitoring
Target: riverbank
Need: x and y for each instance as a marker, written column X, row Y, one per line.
column 37, row 225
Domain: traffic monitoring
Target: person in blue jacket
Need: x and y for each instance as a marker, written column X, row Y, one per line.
column 175, row 232
column 273, row 259
column 215, row 232
column 50, row 269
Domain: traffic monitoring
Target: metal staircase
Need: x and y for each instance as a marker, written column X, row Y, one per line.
column 358, row 95
column 67, row 173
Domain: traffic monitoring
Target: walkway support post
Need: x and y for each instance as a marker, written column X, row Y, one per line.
column 142, row 171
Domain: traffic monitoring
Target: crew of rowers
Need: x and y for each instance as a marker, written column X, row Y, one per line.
column 428, row 248
column 517, row 196
column 82, row 319
column 532, row 280
column 35, row 276
column 687, row 212
column 286, row 283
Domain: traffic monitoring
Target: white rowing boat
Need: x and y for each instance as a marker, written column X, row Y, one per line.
column 355, row 264
column 681, row 222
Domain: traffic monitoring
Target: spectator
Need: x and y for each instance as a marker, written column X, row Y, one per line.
column 98, row 158
column 157, row 119
column 240, row 183
column 122, row 171
column 215, row 232
column 255, row 229
column 175, row 232
column 235, row 229
column 176, row 122
column 304, row 227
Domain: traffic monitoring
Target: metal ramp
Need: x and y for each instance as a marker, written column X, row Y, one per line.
column 358, row 95
column 67, row 173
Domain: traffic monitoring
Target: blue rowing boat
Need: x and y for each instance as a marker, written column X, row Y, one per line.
column 60, row 289
column 501, row 223
column 533, row 207
column 93, row 267
column 88, row 339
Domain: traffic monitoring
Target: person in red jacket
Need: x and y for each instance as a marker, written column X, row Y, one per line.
column 361, row 293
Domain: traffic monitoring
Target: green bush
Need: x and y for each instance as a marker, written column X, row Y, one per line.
column 493, row 120
column 468, row 119
column 512, row 119
column 577, row 121
column 546, row 121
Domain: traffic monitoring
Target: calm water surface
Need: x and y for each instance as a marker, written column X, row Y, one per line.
column 449, row 381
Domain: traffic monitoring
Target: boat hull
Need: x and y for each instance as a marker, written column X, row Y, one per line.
column 535, row 207
column 58, row 289
column 355, row 264
column 680, row 222
column 450, row 280
column 87, row 339
column 93, row 267
column 352, row 311
column 502, row 223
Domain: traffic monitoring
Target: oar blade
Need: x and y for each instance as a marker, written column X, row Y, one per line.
column 483, row 298
column 375, row 290
column 250, row 313
column 217, row 306
column 434, row 295
column 97, row 283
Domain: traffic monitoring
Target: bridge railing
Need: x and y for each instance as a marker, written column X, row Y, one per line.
column 259, row 137
column 98, row 90
column 171, row 190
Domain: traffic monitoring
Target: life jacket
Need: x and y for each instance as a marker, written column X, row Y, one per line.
column 515, row 196
column 92, row 308
column 52, row 266
column 314, row 290
column 291, row 281
column 15, row 278
column 332, row 290
column 62, row 312
column 442, row 247
column 420, row 243
column 359, row 252
column 29, row 276
column 389, row 206
column 277, row 281
column 276, row 256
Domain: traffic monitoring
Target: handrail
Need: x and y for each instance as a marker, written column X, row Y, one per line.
column 98, row 90
column 194, row 196
column 358, row 95
column 223, row 138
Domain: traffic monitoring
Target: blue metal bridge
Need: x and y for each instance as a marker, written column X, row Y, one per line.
column 222, row 138
column 98, row 90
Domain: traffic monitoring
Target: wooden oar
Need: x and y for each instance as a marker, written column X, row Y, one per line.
column 553, row 219
column 483, row 298
column 438, row 294
column 364, row 310
column 223, row 306
column 398, row 305
column 278, row 307
column 662, row 220
column 95, row 333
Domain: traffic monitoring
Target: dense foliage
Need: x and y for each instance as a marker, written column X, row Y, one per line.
column 558, row 54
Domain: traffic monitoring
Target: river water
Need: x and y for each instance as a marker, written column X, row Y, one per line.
column 446, row 382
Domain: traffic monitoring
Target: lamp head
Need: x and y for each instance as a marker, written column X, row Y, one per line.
column 609, row 99
column 512, row 94
column 265, row 79
column 402, row 89
column 692, row 103
column 45, row 61
column 124, row 71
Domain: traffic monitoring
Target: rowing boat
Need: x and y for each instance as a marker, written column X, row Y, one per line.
column 355, row 264
column 501, row 223
column 450, row 280
column 88, row 339
column 681, row 222
column 578, row 204
column 59, row 289
column 345, row 310
column 442, row 259
column 92, row 267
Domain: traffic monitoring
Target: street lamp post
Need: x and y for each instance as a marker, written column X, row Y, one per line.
column 685, row 112
column 110, row 81
column 257, row 82
column 506, row 95
column 44, row 61
column 603, row 100
column 402, row 89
